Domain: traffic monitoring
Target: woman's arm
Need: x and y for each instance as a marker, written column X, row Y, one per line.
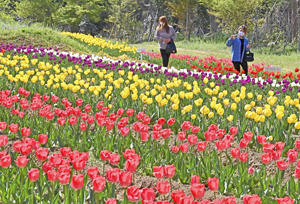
column 173, row 36
column 230, row 42
column 156, row 35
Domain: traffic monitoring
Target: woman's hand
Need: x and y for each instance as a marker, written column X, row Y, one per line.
column 167, row 41
column 248, row 46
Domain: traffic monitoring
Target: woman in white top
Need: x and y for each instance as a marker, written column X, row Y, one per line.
column 164, row 33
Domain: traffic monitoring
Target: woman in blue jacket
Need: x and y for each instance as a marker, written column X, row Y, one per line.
column 239, row 44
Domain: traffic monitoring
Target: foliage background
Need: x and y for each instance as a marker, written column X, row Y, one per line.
column 274, row 25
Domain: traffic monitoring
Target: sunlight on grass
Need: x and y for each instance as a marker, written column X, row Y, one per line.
column 220, row 50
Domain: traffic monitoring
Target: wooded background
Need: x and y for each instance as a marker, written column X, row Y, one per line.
column 272, row 23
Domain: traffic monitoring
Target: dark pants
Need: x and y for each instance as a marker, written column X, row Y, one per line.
column 165, row 57
column 244, row 64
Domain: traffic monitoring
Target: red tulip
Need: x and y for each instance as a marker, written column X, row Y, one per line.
column 133, row 193
column 282, row 165
column 114, row 158
column 158, row 171
column 165, row 133
column 105, row 155
column 64, row 178
column 169, row 171
column 146, row 120
column 228, row 200
column 144, row 136
column 176, row 195
column 124, row 131
column 79, row 102
column 52, row 175
column 2, row 50
column 251, row 170
column 99, row 184
column 244, row 157
column 13, row 127
column 46, row 167
column 213, row 183
column 197, row 190
column 77, row 181
column 87, row 108
column 234, row 131
column 195, row 129
column 82, row 126
column 192, row 139
column 297, row 144
column 3, row 140
column 5, row 161
column 186, row 199
column 181, row 136
column 266, row 158
column 248, row 135
column 235, row 152
column 111, row 201
column 21, row 161
column 125, row 178
column 201, row 146
column 61, row 121
column 243, row 143
column 279, row 145
column 184, row 148
column 130, row 112
column 3, row 125
column 186, row 125
column 261, row 139
column 25, row 149
column 43, row 138
column 33, row 174
column 297, row 173
column 148, row 194
column 251, row 199
column 285, row 200
column 268, row 147
column 73, row 120
column 175, row 149
column 25, row 132
column 93, row 172
column 163, row 187
column 161, row 121
column 171, row 121
column 55, row 159
column 292, row 155
column 65, row 151
column 195, row 179
column 131, row 165
column 3, row 153
column 113, row 175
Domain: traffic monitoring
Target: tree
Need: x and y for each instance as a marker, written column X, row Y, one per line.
column 185, row 11
column 232, row 13
column 38, row 10
column 73, row 11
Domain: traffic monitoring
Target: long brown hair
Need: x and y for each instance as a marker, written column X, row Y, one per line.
column 165, row 25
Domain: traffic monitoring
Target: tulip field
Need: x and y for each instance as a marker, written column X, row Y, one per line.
column 89, row 129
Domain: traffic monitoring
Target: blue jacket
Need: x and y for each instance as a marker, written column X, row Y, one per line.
column 236, row 48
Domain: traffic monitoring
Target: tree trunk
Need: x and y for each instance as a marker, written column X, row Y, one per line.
column 213, row 24
column 187, row 36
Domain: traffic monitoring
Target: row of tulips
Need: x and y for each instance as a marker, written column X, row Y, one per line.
column 220, row 65
column 112, row 48
column 204, row 98
column 190, row 151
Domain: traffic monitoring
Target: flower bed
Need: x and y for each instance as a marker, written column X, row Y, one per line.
column 78, row 129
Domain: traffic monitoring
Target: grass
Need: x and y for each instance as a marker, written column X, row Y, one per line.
column 39, row 36
column 204, row 49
